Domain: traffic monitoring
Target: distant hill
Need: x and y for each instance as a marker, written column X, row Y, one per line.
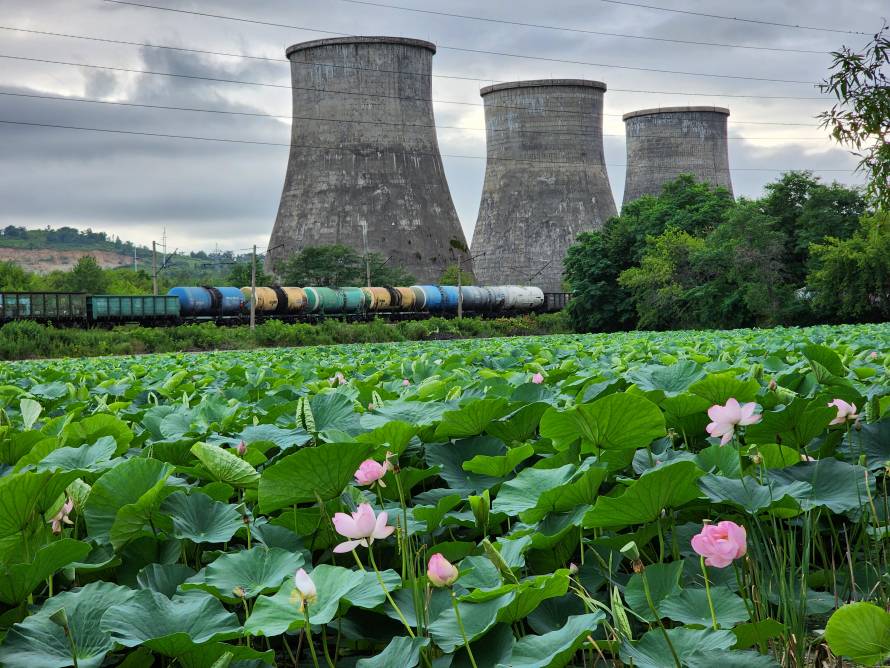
column 47, row 250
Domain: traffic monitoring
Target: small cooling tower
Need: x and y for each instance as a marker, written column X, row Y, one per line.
column 364, row 156
column 666, row 142
column 545, row 179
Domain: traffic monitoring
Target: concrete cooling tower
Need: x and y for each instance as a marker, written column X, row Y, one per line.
column 545, row 179
column 666, row 142
column 364, row 159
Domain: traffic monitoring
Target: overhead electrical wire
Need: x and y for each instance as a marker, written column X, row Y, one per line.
column 583, row 31
column 63, row 98
column 376, row 70
column 281, row 86
column 733, row 18
column 228, row 140
column 468, row 50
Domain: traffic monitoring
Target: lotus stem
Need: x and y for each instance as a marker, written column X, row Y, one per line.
column 386, row 593
column 309, row 636
column 463, row 633
column 704, row 571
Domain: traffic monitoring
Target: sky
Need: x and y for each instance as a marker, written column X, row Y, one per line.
column 225, row 195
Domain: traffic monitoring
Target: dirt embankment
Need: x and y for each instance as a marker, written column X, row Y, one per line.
column 45, row 260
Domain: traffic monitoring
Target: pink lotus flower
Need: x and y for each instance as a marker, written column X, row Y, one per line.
column 721, row 543
column 362, row 528
column 538, row 378
column 406, row 382
column 727, row 418
column 62, row 516
column 305, row 588
column 873, row 354
column 441, row 572
column 337, row 379
column 370, row 472
column 845, row 411
column 573, row 568
column 241, row 448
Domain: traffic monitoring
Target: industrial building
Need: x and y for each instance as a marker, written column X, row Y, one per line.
column 364, row 167
column 666, row 142
column 545, row 179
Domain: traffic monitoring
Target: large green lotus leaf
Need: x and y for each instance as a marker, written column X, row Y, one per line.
column 123, row 485
column 142, row 517
column 795, row 425
column 19, row 580
column 30, row 410
column 430, row 516
column 334, row 411
column 671, row 379
column 652, row 651
column 85, row 457
column 311, row 473
column 38, row 642
column 256, row 570
column 224, row 466
column 580, row 491
column 393, row 436
column 757, row 633
column 665, row 486
column 477, row 618
column 499, row 466
column 401, row 651
column 148, row 615
column 273, row 615
column 834, row 484
column 825, row 357
column 24, row 497
column 690, row 606
column 522, row 492
column 451, row 456
column 732, row 659
column 554, row 649
column 91, row 429
column 531, row 593
column 618, row 421
column 751, row 496
column 520, row 425
column 285, row 439
column 718, row 388
column 420, row 413
column 369, row 594
column 860, row 632
column 871, row 440
column 470, row 419
column 201, row 519
column 164, row 578
column 664, row 582
column 213, row 654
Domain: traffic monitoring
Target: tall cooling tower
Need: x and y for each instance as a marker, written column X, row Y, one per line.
column 666, row 142
column 545, row 179
column 364, row 159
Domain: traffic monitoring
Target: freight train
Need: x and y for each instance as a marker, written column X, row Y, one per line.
column 229, row 305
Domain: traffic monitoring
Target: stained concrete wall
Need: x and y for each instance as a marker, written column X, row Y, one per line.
column 545, row 179
column 666, row 142
column 364, row 151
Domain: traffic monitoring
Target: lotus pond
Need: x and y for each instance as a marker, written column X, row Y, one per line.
column 647, row 499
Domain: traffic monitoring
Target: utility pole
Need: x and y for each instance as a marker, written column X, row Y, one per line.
column 253, row 290
column 154, row 269
column 135, row 262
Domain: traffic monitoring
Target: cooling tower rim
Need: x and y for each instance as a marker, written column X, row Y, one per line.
column 667, row 110
column 539, row 83
column 359, row 39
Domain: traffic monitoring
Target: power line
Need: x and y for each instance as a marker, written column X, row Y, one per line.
column 228, row 140
column 62, row 98
column 376, row 70
column 734, row 18
column 290, row 86
column 467, row 50
column 372, row 69
column 582, row 31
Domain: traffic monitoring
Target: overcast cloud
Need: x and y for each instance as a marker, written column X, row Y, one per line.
column 209, row 193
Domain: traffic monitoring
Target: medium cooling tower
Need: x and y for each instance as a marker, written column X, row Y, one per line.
column 364, row 154
column 545, row 179
column 666, row 142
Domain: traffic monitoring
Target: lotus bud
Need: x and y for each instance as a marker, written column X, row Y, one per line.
column 481, row 507
column 773, row 385
column 573, row 568
column 241, row 449
column 756, row 459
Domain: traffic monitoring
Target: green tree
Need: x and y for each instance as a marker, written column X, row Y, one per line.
column 329, row 266
column 861, row 117
column 239, row 274
column 384, row 273
column 449, row 276
column 86, row 276
column 594, row 263
column 850, row 279
column 15, row 279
